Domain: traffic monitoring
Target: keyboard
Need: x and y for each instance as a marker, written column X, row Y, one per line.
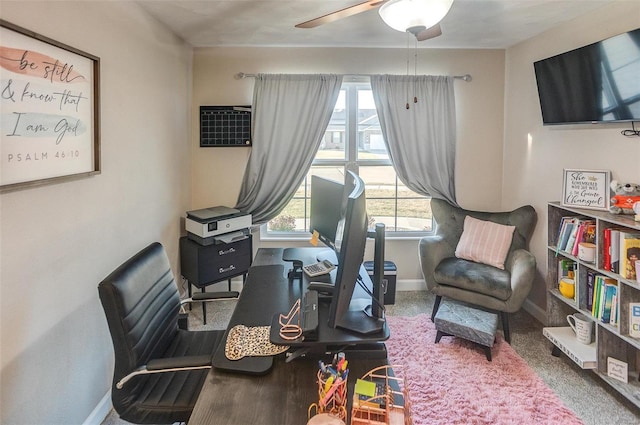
column 309, row 315
column 317, row 269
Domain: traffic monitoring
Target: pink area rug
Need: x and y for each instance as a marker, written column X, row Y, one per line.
column 453, row 383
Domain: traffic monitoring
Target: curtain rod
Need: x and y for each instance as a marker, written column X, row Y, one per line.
column 241, row 75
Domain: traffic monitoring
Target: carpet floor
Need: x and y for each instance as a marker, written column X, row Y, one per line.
column 452, row 382
column 593, row 401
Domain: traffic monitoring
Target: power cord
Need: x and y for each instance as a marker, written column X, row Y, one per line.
column 631, row 133
column 363, row 286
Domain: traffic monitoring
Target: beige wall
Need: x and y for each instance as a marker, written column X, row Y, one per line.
column 59, row 241
column 535, row 155
column 217, row 172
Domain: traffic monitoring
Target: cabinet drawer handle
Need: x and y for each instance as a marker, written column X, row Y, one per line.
column 228, row 251
column 228, row 269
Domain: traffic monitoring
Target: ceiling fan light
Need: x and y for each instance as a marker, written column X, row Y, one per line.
column 404, row 14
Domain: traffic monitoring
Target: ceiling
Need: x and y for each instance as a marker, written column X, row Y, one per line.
column 479, row 24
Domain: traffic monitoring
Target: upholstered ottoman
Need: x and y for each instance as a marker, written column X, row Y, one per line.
column 464, row 321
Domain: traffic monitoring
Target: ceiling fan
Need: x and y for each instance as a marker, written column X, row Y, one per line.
column 419, row 17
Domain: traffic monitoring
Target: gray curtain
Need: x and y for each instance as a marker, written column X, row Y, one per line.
column 290, row 116
column 421, row 140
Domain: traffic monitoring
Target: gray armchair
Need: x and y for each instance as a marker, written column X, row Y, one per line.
column 482, row 285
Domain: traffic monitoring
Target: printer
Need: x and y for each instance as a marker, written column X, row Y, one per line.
column 215, row 225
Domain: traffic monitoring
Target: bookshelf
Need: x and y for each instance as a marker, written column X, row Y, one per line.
column 611, row 339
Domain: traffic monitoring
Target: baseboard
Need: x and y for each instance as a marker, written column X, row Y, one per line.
column 100, row 412
column 411, row 285
column 534, row 310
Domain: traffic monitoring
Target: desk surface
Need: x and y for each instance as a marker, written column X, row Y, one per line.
column 268, row 292
column 269, row 390
column 280, row 397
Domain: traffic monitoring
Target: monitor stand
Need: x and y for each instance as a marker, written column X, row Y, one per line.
column 359, row 318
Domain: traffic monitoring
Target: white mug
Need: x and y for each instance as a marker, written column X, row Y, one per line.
column 582, row 326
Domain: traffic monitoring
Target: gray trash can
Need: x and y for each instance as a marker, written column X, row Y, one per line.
column 389, row 279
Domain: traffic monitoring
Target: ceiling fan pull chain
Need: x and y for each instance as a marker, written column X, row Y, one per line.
column 415, row 70
column 408, row 60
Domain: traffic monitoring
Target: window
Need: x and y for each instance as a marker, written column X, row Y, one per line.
column 353, row 141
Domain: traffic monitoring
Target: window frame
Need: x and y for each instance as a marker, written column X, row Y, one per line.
column 350, row 163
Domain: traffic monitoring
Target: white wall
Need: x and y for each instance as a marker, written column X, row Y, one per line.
column 59, row 241
column 217, row 172
column 535, row 155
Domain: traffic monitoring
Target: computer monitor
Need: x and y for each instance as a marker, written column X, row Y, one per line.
column 327, row 198
column 350, row 241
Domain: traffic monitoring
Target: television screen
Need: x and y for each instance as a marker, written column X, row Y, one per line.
column 595, row 83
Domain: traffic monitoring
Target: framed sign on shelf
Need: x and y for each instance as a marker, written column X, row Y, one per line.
column 49, row 98
column 586, row 189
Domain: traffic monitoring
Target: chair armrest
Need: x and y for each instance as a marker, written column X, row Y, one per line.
column 171, row 364
column 432, row 250
column 210, row 296
column 522, row 266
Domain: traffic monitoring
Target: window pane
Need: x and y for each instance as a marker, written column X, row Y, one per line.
column 408, row 212
column 414, row 215
column 354, row 130
column 292, row 218
column 370, row 142
column 334, row 141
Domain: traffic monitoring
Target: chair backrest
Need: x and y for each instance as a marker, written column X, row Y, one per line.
column 450, row 222
column 141, row 302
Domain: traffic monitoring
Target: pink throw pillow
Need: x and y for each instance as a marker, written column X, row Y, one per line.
column 485, row 242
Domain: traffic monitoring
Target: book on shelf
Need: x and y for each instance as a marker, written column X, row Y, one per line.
column 606, row 252
column 591, row 280
column 566, row 268
column 610, row 290
column 613, row 320
column 568, row 247
column 584, row 231
column 614, row 250
column 634, row 320
column 599, row 303
column 589, row 232
column 565, row 232
column 629, row 253
column 565, row 339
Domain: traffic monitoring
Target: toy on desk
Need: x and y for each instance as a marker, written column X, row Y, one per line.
column 332, row 388
column 381, row 397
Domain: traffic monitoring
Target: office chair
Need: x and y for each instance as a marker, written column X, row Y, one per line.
column 159, row 368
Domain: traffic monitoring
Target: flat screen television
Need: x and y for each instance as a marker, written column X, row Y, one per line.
column 595, row 83
column 350, row 241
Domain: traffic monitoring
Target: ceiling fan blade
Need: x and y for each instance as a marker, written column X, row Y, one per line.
column 431, row 32
column 342, row 13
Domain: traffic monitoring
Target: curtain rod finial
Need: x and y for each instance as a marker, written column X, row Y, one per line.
column 239, row 76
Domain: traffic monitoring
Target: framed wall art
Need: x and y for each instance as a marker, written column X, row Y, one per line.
column 49, row 98
column 586, row 189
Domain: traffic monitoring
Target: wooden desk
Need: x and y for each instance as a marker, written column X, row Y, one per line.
column 280, row 397
column 268, row 390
